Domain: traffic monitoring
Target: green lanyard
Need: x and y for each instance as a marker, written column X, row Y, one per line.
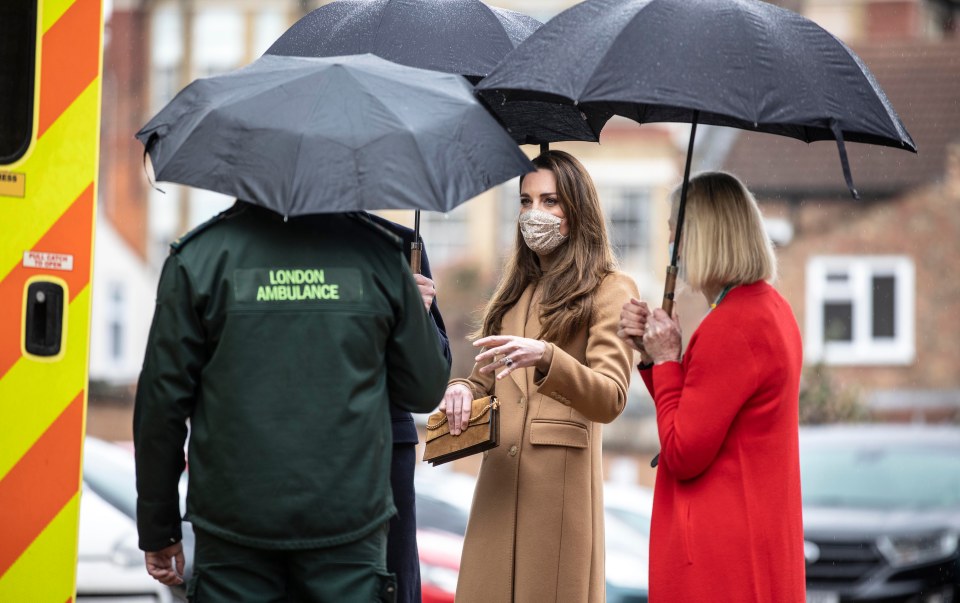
column 721, row 296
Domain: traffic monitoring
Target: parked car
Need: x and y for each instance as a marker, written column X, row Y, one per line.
column 109, row 478
column 439, row 564
column 881, row 510
column 109, row 564
column 443, row 507
column 627, row 512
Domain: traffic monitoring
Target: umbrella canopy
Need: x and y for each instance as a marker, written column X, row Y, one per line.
column 740, row 63
column 319, row 135
column 466, row 37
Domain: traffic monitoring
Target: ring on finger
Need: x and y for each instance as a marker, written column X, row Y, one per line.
column 508, row 362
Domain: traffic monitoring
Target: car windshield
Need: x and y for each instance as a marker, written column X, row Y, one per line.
column 638, row 522
column 881, row 476
column 109, row 471
column 436, row 514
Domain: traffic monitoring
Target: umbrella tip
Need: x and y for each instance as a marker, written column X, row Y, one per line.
column 286, row 218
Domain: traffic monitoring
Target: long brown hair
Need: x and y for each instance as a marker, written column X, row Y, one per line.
column 581, row 263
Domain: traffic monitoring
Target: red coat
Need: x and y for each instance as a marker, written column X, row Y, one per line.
column 727, row 523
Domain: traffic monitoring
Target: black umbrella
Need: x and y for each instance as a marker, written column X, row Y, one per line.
column 319, row 135
column 740, row 63
column 466, row 37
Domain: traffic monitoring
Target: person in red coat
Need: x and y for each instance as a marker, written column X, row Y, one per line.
column 727, row 522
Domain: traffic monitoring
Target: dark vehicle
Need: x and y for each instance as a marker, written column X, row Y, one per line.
column 881, row 513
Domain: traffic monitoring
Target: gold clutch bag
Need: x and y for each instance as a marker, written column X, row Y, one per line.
column 483, row 433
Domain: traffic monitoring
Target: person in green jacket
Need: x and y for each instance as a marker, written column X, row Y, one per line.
column 280, row 344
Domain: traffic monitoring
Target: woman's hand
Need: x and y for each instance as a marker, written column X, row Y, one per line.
column 457, row 404
column 662, row 339
column 517, row 352
column 633, row 323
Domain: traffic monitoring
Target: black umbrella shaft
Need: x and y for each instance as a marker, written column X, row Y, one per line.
column 668, row 292
column 415, row 245
column 672, row 270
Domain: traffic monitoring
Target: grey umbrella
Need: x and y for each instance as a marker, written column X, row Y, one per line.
column 467, row 37
column 318, row 135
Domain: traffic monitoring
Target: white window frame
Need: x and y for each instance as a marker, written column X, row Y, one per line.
column 863, row 349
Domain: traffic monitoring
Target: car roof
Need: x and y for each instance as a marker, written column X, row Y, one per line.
column 628, row 496
column 883, row 434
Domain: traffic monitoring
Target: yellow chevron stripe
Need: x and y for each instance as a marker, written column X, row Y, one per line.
column 45, row 571
column 33, row 394
column 56, row 175
column 52, row 11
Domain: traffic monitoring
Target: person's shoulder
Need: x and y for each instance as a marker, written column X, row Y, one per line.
column 200, row 231
column 617, row 283
column 378, row 226
column 398, row 230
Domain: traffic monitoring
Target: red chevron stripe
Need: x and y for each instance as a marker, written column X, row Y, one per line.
column 40, row 484
column 68, row 67
column 70, row 234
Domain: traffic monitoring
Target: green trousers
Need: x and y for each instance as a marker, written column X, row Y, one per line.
column 224, row 571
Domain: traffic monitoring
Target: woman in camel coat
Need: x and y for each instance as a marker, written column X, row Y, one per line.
column 551, row 355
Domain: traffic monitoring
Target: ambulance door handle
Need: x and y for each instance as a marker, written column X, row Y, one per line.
column 43, row 333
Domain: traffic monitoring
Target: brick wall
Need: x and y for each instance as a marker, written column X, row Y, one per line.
column 123, row 194
column 923, row 224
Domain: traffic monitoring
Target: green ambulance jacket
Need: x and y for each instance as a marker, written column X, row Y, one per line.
column 280, row 344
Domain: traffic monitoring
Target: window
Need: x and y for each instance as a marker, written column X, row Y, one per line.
column 628, row 210
column 166, row 55
column 18, row 37
column 860, row 310
column 447, row 236
column 218, row 41
column 116, row 325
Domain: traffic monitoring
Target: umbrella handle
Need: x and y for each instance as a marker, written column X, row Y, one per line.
column 415, row 257
column 668, row 288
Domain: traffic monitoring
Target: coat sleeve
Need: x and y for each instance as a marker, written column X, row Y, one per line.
column 698, row 401
column 417, row 369
column 597, row 389
column 165, row 398
column 435, row 308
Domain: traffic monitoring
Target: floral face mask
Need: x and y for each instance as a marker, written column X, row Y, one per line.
column 541, row 231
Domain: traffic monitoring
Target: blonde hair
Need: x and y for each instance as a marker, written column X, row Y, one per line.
column 723, row 240
column 566, row 300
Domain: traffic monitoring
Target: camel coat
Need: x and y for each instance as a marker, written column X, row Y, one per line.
column 536, row 526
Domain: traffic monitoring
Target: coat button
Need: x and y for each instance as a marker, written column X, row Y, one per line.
column 513, row 451
column 522, row 400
